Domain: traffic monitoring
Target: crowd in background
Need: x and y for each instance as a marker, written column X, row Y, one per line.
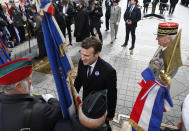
column 17, row 20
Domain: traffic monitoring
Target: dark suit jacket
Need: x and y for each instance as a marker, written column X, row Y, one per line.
column 108, row 8
column 135, row 16
column 106, row 79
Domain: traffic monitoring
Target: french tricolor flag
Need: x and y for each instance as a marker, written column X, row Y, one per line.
column 152, row 101
column 47, row 6
column 60, row 61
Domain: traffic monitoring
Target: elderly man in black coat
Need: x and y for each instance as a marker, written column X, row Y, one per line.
column 20, row 111
column 82, row 29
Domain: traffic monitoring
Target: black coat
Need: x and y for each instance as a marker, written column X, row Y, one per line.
column 173, row 2
column 70, row 12
column 82, row 29
column 17, row 17
column 135, row 16
column 12, row 111
column 102, row 77
column 95, row 17
column 108, row 8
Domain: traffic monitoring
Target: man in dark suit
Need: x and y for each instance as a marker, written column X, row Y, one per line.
column 132, row 16
column 96, row 74
column 108, row 4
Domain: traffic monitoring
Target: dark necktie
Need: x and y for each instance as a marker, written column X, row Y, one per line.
column 89, row 71
column 130, row 11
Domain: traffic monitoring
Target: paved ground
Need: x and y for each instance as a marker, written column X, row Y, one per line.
column 129, row 67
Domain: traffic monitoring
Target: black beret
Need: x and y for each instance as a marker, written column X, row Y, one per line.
column 95, row 104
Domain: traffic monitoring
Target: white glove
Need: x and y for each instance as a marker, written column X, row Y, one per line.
column 46, row 97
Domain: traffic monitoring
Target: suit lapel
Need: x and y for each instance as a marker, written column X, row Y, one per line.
column 96, row 70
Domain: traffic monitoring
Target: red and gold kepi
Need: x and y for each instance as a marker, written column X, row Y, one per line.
column 15, row 71
column 167, row 29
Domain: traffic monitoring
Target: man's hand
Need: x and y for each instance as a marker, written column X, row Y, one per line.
column 46, row 97
column 129, row 22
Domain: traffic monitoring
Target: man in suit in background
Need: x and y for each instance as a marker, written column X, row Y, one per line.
column 108, row 4
column 132, row 16
column 114, row 19
column 95, row 74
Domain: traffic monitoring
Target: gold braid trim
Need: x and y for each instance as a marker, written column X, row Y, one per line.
column 167, row 31
column 169, row 27
column 135, row 125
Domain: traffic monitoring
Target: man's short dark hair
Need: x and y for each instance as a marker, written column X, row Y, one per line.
column 136, row 1
column 92, row 42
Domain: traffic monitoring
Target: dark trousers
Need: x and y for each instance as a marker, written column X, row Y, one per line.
column 68, row 27
column 107, row 19
column 41, row 44
column 98, row 31
column 21, row 31
column 145, row 8
column 172, row 8
column 132, row 30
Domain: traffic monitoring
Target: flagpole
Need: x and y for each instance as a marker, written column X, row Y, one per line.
column 73, row 89
column 168, row 67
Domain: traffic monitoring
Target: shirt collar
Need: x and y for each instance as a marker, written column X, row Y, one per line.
column 93, row 65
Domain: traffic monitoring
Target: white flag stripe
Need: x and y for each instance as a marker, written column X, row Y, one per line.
column 147, row 109
column 46, row 7
column 167, row 105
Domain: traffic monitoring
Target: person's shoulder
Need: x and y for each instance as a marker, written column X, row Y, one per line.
column 105, row 64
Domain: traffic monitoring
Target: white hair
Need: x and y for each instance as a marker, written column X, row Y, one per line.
column 89, row 122
column 12, row 87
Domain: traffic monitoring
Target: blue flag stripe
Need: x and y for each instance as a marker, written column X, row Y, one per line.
column 51, row 44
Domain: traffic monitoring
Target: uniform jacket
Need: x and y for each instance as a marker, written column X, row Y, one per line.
column 82, row 29
column 12, row 111
column 115, row 14
column 134, row 17
column 102, row 77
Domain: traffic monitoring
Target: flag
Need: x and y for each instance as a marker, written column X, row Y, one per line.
column 60, row 62
column 172, row 55
column 4, row 57
column 152, row 101
column 8, row 8
column 29, row 2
